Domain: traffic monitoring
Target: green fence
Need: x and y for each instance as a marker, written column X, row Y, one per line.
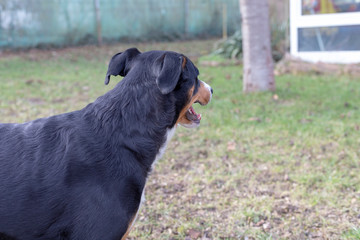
column 37, row 23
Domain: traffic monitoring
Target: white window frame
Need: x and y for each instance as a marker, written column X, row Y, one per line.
column 297, row 20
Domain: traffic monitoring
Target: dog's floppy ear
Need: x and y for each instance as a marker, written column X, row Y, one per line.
column 120, row 63
column 168, row 68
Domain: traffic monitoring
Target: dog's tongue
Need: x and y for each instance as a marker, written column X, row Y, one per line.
column 192, row 115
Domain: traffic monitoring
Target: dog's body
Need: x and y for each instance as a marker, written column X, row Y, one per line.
column 81, row 175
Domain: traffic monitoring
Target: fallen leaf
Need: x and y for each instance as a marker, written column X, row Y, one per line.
column 260, row 223
column 305, row 120
column 254, row 119
column 231, row 146
column 194, row 234
column 266, row 226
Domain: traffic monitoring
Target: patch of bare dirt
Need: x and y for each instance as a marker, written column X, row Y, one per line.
column 191, row 48
column 293, row 65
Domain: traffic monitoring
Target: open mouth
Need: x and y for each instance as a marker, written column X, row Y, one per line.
column 190, row 118
column 193, row 117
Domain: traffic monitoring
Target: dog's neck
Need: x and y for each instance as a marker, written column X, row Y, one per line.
column 150, row 127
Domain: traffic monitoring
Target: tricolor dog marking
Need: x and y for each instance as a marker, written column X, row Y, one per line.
column 81, row 175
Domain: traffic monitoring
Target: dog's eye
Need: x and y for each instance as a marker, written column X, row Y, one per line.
column 185, row 79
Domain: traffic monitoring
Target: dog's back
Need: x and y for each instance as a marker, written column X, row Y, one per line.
column 33, row 173
column 53, row 170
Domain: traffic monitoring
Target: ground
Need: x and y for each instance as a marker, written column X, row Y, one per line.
column 273, row 165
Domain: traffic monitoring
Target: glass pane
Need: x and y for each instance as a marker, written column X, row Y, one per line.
column 329, row 6
column 342, row 38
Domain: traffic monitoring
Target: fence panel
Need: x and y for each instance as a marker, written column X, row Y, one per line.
column 36, row 23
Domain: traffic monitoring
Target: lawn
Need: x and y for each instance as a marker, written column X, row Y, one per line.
column 273, row 165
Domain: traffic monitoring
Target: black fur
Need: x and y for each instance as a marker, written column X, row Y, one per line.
column 80, row 175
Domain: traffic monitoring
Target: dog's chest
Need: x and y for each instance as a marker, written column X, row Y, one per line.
column 169, row 134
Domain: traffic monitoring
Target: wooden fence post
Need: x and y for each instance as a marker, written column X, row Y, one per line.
column 98, row 21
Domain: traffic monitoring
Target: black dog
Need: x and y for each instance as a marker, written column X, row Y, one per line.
column 81, row 175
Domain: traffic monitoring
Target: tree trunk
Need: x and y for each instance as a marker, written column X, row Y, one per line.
column 258, row 62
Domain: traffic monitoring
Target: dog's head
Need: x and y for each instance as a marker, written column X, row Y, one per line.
column 175, row 76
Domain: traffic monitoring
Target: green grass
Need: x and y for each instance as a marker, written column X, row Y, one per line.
column 272, row 165
column 352, row 234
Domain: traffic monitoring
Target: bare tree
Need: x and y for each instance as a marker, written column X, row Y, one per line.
column 258, row 62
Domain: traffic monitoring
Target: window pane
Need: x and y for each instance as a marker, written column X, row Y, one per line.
column 342, row 38
column 329, row 6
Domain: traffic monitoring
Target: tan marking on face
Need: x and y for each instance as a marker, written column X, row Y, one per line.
column 183, row 63
column 203, row 96
column 182, row 116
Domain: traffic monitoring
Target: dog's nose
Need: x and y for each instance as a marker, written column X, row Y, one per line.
column 211, row 90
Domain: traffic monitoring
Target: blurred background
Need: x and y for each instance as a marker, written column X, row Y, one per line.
column 35, row 23
column 280, row 164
